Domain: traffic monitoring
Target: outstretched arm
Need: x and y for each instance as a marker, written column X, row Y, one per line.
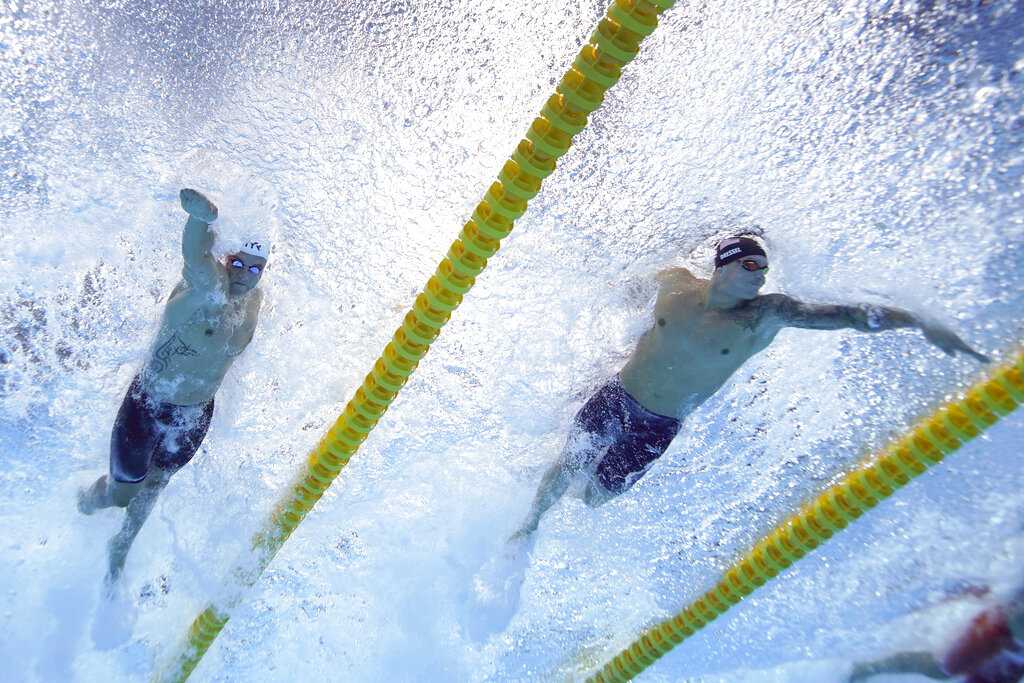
column 923, row 663
column 200, row 268
column 1015, row 617
column 789, row 312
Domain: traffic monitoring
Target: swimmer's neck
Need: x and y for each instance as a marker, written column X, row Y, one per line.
column 715, row 298
column 237, row 294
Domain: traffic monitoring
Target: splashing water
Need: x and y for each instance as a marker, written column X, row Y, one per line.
column 878, row 145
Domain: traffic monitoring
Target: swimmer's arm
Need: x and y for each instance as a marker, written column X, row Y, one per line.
column 789, row 312
column 200, row 268
column 923, row 663
column 1015, row 618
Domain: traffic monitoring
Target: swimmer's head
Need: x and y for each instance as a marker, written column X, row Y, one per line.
column 246, row 265
column 740, row 267
column 737, row 248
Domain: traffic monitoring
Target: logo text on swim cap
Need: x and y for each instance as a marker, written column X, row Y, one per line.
column 727, row 254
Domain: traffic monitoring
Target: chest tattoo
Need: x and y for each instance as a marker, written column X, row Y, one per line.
column 748, row 322
column 175, row 346
column 749, row 318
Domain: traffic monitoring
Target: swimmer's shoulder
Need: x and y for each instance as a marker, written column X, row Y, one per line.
column 180, row 303
column 251, row 311
column 679, row 282
column 255, row 303
column 180, row 288
column 679, row 290
column 676, row 274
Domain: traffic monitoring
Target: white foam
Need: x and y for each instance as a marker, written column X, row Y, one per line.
column 856, row 143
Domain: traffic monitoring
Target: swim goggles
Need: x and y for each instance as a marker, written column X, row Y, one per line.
column 237, row 263
column 752, row 265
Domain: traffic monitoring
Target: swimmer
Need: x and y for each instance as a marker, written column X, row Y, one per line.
column 704, row 331
column 209, row 319
column 989, row 650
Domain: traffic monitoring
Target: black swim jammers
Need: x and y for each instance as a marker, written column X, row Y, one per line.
column 148, row 433
column 634, row 436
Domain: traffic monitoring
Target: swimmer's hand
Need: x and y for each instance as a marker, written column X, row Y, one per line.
column 198, row 206
column 948, row 341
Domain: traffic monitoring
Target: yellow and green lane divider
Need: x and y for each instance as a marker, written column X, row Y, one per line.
column 935, row 437
column 597, row 67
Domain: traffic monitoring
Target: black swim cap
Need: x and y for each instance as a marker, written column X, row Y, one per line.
column 734, row 248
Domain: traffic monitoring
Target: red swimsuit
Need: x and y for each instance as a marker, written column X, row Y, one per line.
column 986, row 651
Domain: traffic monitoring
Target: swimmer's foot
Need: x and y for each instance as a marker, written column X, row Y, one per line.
column 495, row 589
column 115, row 617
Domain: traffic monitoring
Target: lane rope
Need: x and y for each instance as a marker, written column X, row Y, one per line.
column 597, row 67
column 934, row 437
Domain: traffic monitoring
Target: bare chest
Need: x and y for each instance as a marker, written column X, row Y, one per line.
column 213, row 328
column 220, row 327
column 711, row 337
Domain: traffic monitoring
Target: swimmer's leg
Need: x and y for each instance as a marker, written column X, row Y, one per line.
column 552, row 487
column 581, row 449
column 96, row 497
column 105, row 493
column 133, row 439
column 592, row 432
column 138, row 509
column 595, row 495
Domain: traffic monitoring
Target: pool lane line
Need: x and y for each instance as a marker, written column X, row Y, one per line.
column 596, row 68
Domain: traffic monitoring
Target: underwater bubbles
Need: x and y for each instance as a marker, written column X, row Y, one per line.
column 877, row 146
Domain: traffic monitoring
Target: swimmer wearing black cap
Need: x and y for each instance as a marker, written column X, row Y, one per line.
column 704, row 331
column 208, row 321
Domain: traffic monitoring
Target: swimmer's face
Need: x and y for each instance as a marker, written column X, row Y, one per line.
column 743, row 278
column 244, row 272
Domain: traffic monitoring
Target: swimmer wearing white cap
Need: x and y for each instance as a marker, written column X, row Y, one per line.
column 209, row 319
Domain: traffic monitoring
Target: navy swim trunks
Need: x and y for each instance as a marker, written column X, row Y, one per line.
column 633, row 436
column 148, row 434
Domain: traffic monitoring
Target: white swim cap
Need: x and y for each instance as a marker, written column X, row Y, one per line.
column 256, row 248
